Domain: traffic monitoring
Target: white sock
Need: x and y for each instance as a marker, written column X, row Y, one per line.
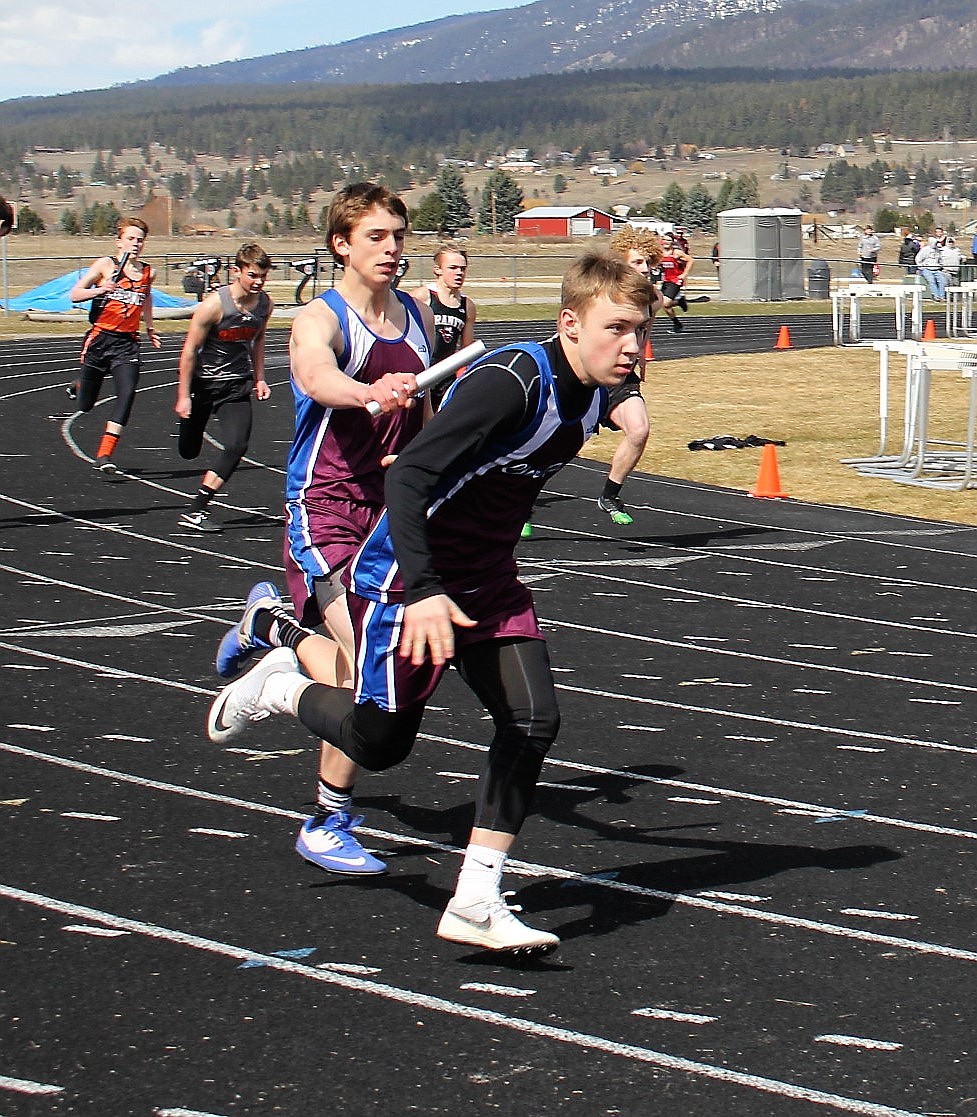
column 480, row 878
column 281, row 689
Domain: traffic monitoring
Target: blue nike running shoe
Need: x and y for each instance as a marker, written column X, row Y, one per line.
column 240, row 643
column 328, row 841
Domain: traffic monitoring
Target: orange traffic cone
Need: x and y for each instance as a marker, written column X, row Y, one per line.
column 768, row 479
column 783, row 339
column 929, row 331
column 649, row 355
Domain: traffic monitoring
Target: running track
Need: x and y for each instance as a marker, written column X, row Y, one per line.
column 753, row 833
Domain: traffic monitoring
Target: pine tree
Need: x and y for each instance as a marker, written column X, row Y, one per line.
column 699, row 211
column 457, row 213
column 672, row 204
column 428, row 217
column 501, row 201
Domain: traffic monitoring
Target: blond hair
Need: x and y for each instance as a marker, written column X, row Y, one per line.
column 639, row 240
column 597, row 274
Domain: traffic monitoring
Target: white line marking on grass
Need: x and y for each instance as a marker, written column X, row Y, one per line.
column 415, row 1000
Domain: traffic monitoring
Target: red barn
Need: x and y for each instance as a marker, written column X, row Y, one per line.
column 564, row 221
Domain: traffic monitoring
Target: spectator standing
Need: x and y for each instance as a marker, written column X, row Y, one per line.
column 931, row 269
column 908, row 250
column 868, row 253
column 951, row 258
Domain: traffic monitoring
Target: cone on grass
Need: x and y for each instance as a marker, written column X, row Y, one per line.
column 649, row 355
column 929, row 330
column 783, row 339
column 768, row 478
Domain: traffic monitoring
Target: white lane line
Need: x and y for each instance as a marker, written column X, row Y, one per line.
column 939, row 746
column 497, row 990
column 859, row 1041
column 856, row 535
column 178, row 1112
column 677, row 1017
column 108, row 672
column 153, row 607
column 415, row 1000
column 868, row 913
column 777, row 661
column 26, row 1086
column 763, row 719
column 208, row 832
column 87, row 817
column 97, row 932
column 814, row 809
column 531, row 869
column 129, row 533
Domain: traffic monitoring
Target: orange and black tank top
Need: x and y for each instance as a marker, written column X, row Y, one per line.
column 120, row 311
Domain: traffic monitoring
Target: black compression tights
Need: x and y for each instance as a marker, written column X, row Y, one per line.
column 513, row 681
column 234, row 418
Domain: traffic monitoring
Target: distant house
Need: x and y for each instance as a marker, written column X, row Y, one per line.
column 564, row 221
column 609, row 170
column 521, row 166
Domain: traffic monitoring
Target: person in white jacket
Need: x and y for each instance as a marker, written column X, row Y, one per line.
column 950, row 260
column 931, row 268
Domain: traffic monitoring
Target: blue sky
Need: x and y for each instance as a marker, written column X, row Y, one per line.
column 61, row 46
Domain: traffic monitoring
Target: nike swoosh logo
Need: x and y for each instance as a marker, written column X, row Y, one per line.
column 478, row 924
column 348, row 860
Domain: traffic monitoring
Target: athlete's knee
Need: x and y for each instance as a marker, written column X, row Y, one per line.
column 377, row 740
column 189, row 447
column 534, row 730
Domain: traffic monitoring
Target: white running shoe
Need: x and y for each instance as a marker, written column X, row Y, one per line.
column 492, row 926
column 239, row 703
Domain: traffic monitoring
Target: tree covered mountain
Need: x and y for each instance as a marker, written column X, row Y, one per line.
column 566, row 36
column 385, row 130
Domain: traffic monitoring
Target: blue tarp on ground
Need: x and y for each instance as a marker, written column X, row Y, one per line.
column 53, row 296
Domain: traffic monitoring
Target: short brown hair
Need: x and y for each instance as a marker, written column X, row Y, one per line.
column 6, row 217
column 252, row 256
column 353, row 202
column 449, row 246
column 131, row 223
column 599, row 273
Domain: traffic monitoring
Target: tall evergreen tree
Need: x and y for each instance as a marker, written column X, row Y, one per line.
column 501, row 201
column 672, row 204
column 450, row 187
column 699, row 211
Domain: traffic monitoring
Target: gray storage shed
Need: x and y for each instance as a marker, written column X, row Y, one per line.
column 760, row 255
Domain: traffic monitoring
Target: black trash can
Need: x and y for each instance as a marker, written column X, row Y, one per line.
column 818, row 280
